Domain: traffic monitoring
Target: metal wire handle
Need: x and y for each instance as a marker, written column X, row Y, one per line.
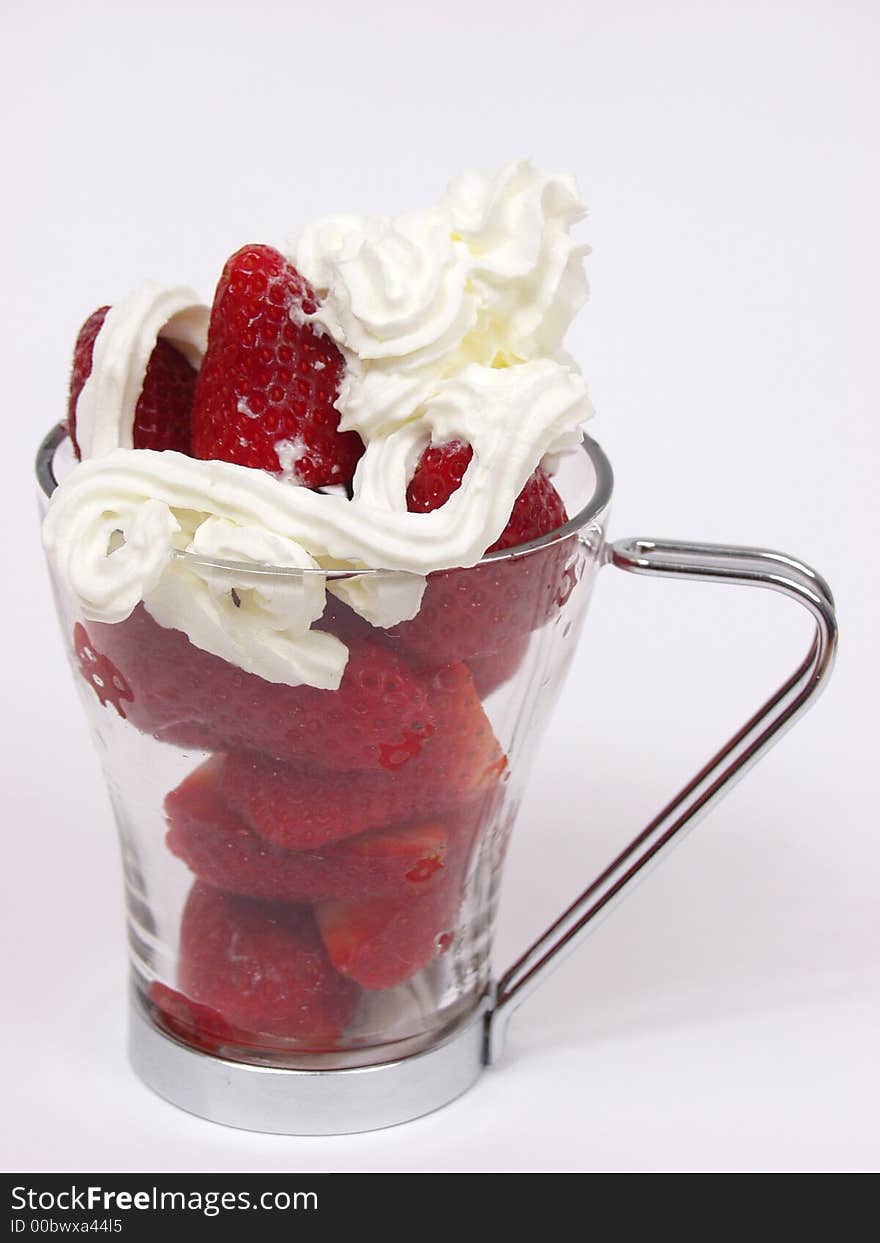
column 750, row 567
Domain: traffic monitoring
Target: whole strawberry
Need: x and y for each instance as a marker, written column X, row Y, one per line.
column 261, row 966
column 537, row 511
column 474, row 614
column 162, row 415
column 268, row 380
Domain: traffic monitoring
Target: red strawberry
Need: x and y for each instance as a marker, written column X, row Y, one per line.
column 378, row 719
column 468, row 613
column 162, row 414
column 438, row 473
column 303, row 810
column 82, row 366
column 262, row 967
column 538, row 509
column 197, row 1025
column 382, row 942
column 222, row 851
column 164, row 409
column 268, row 380
column 491, row 670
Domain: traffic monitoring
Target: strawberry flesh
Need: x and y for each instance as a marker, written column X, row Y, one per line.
column 382, row 942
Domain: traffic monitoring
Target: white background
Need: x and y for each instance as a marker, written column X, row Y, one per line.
column 727, row 1016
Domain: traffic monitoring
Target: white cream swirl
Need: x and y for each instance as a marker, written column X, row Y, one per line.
column 105, row 408
column 451, row 320
column 490, row 275
column 529, row 270
column 258, row 620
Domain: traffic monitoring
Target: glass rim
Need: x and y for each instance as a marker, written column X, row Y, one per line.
column 595, row 505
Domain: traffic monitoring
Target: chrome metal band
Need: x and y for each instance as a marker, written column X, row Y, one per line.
column 305, row 1102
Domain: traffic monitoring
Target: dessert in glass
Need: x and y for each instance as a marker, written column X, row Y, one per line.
column 321, row 555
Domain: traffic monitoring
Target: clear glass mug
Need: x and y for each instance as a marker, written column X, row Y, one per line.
column 312, row 877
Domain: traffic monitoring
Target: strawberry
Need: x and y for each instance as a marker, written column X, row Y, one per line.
column 268, row 380
column 262, row 967
column 491, row 670
column 469, row 613
column 162, row 414
column 300, row 809
column 537, row 510
column 491, row 607
column 222, row 851
column 303, row 810
column 438, row 473
column 197, row 1025
column 378, row 720
column 381, row 942
column 164, row 409
column 82, row 366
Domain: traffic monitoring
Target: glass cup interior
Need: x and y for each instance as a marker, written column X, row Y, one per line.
column 312, row 876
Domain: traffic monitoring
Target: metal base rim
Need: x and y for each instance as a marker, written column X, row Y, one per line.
column 306, row 1102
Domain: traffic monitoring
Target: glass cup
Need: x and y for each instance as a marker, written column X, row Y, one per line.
column 312, row 876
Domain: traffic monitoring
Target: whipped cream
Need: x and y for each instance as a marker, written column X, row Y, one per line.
column 489, row 276
column 106, row 406
column 451, row 321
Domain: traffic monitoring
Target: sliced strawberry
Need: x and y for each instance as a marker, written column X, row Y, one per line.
column 268, row 380
column 222, row 851
column 303, row 810
column 380, row 717
column 406, row 860
column 162, row 415
column 262, row 967
column 469, row 613
column 382, row 942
